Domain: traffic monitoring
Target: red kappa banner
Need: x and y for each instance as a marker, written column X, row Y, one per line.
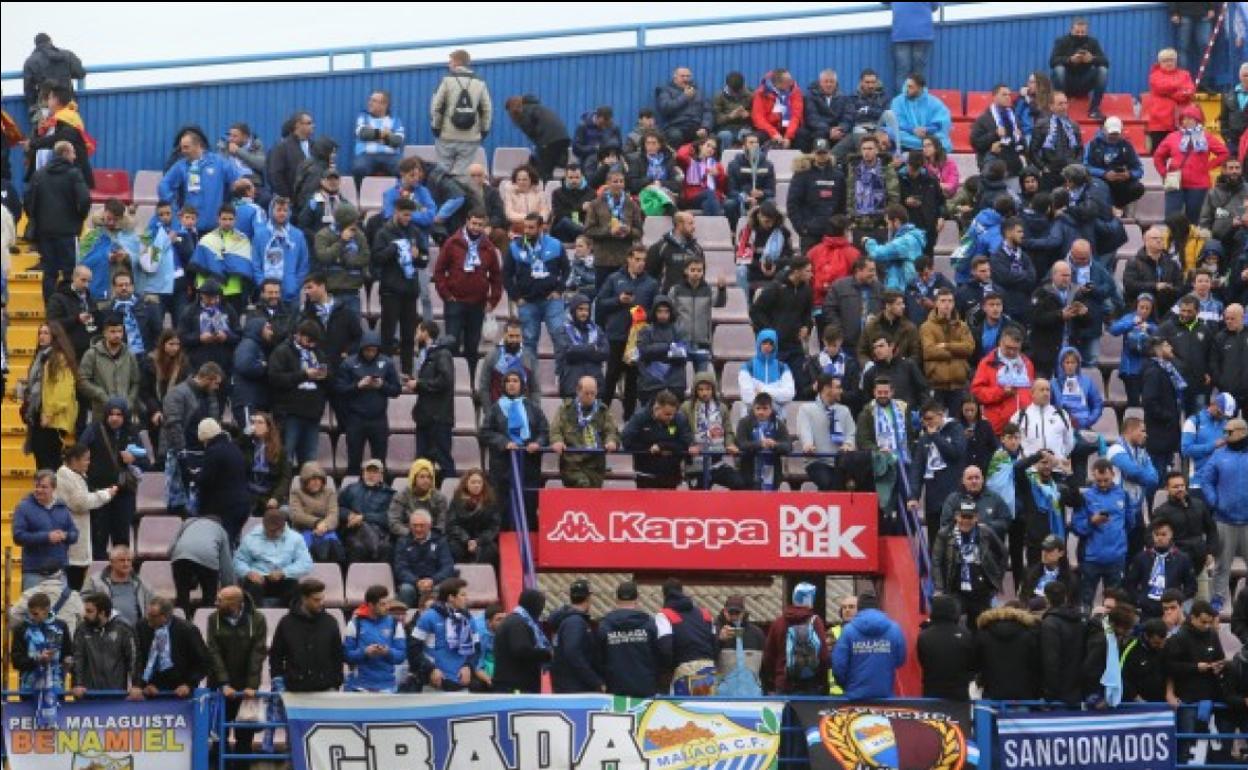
column 748, row 531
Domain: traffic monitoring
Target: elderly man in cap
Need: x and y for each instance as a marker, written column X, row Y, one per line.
column 1224, row 483
column 573, row 667
column 969, row 561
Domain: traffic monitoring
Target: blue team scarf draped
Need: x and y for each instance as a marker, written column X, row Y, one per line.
column 517, row 418
column 1046, row 576
column 774, row 246
column 1004, row 117
column 832, row 365
column 1047, row 496
column 707, row 415
column 835, row 433
column 212, row 320
column 889, row 428
column 1176, row 379
column 656, row 167
column 472, row 256
column 1111, row 678
column 1193, row 139
column 539, row 638
column 869, row 192
column 615, row 205
column 460, row 637
column 764, row 461
column 323, row 312
column 45, row 680
column 1157, row 576
column 581, row 336
column 275, row 253
column 406, row 263
column 782, row 101
column 509, row 363
column 134, row 338
column 585, row 423
column 968, row 550
column 1064, row 125
column 160, row 656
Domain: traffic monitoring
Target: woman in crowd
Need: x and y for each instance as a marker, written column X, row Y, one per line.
column 159, row 371
column 50, row 401
column 473, row 520
column 268, row 476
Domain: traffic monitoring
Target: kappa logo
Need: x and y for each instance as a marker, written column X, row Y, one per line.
column 575, row 527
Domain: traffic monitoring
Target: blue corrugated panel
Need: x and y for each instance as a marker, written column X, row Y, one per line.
column 135, row 127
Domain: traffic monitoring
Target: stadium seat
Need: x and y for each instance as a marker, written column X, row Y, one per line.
column 400, row 454
column 143, row 214
column 251, row 523
column 507, row 160
column 728, row 155
column 1119, row 105
column 1107, row 424
column 952, row 99
column 272, row 616
column 151, row 498
column 146, row 187
column 371, row 190
column 1136, row 133
column 782, row 195
column 201, row 619
column 714, row 233
column 1111, row 350
column 331, row 576
column 1116, row 391
column 960, row 135
column 111, row 183
column 465, row 452
column 547, row 381
column 463, row 379
column 482, row 583
column 782, row 160
column 728, row 388
column 428, row 153
column 1151, row 209
column 399, row 413
column 154, row 536
column 735, row 311
column 977, row 102
column 158, row 576
column 362, row 575
column 465, row 416
column 733, row 342
column 346, row 188
column 968, row 164
column 325, row 453
column 655, row 228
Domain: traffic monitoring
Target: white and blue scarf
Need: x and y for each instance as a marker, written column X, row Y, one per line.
column 774, row 246
column 1066, row 127
column 472, row 255
column 585, row 423
column 160, row 656
column 460, row 636
column 134, row 338
column 539, row 638
column 869, row 191
column 46, row 680
column 518, row 429
column 968, row 549
column 782, row 107
column 889, row 429
column 307, row 360
column 656, row 167
column 275, row 253
column 213, row 320
column 1193, row 139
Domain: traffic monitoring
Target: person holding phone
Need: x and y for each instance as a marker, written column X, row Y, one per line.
column 298, row 376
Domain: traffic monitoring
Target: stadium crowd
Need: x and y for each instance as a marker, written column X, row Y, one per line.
column 213, row 343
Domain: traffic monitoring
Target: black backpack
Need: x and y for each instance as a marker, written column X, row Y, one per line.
column 464, row 113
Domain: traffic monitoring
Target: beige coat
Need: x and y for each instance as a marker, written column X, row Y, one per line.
column 443, row 104
column 71, row 489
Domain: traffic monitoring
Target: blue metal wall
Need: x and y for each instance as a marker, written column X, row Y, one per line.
column 134, row 127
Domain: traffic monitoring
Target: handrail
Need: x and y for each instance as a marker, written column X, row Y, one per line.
column 639, row 29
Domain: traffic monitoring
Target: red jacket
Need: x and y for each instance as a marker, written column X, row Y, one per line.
column 775, row 649
column 481, row 286
column 764, row 117
column 998, row 406
column 684, row 157
column 1167, row 91
column 1197, row 167
column 831, row 259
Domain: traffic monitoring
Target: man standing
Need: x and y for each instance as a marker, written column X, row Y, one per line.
column 816, row 193
column 667, row 257
column 1161, row 394
column 109, row 369
column 1056, row 142
column 237, row 647
column 468, row 276
column 171, row 651
column 106, row 655
column 433, row 382
column 184, row 407
column 826, row 427
column 534, row 270
column 572, row 670
column 306, row 654
column 200, row 178
column 869, row 652
column 401, row 260
column 687, row 646
column 619, row 297
column 787, row 305
column 628, row 647
column 521, row 648
column 48, row 65
column 1192, row 342
column 1230, row 355
column 659, row 437
column 57, row 203
column 1224, row 483
column 939, row 457
column 1045, row 425
column 582, row 422
column 279, row 252
column 41, row 648
column 796, row 651
column 969, row 561
column 460, row 115
column 853, row 301
column 947, row 349
column 288, row 154
column 912, row 34
column 1157, row 570
column 366, row 382
column 1195, row 531
column 1102, row 520
column 1003, row 379
column 141, row 319
column 1079, row 66
column 298, row 379
column 613, row 225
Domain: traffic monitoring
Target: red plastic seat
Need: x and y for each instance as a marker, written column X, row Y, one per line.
column 111, row 183
column 961, row 136
column 952, row 99
column 977, row 102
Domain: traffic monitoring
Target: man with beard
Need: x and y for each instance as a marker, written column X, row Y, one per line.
column 105, row 650
column 1224, row 205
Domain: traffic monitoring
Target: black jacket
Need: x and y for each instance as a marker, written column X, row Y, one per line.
column 686, row 633
column 785, row 308
column 291, row 392
column 946, row 653
column 821, row 112
column 49, row 64
column 251, row 368
column 106, row 657
column 64, row 306
column 19, row 649
column 1183, row 652
column 386, row 254
column 435, row 386
column 1193, row 348
column 1031, row 579
column 984, row 135
column 371, row 403
column 220, row 353
column 1007, row 651
column 63, row 132
column 340, row 336
column 1049, row 329
column 1195, row 531
column 283, row 162
column 540, row 124
column 815, row 194
column 493, row 433
column 58, row 200
column 1144, row 672
column 947, row 561
column 1178, row 574
column 566, row 203
column 1067, row 45
column 1061, row 642
column 666, row 259
column 628, row 653
column 1230, row 362
column 1142, row 275
column 223, row 482
column 517, row 658
column 644, row 431
column 1162, row 415
column 307, row 651
column 574, row 668
column 186, row 648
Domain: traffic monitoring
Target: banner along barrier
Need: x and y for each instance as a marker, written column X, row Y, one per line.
column 754, row 531
column 497, row 732
column 1139, row 739
column 102, row 735
column 914, row 735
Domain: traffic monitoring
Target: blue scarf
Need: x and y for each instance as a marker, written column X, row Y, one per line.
column 323, row 312
column 472, row 256
column 259, row 469
column 1004, row 117
column 708, row 419
column 774, row 246
column 615, row 206
column 160, row 656
column 212, row 320
column 869, row 192
column 461, row 639
column 702, row 173
column 1111, row 678
column 1193, row 139
column 275, row 253
column 889, row 430
column 578, row 336
column 1046, row 496
column 764, row 463
column 1176, row 379
column 539, row 638
column 134, row 338
column 508, row 363
column 835, row 434
column 656, row 167
column 1157, row 576
column 46, row 680
column 968, row 550
column 307, row 360
column 1066, row 127
column 832, row 365
column 782, row 101
column 517, row 418
column 585, row 423
column 406, row 263
column 1046, row 576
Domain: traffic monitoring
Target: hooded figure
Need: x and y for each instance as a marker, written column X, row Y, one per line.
column 869, row 652
column 922, row 111
column 898, row 255
column 1008, row 654
column 250, row 391
column 946, row 652
column 413, row 497
column 345, row 263
column 581, row 347
column 223, row 489
column 95, row 250
column 521, row 648
column 796, row 653
column 766, row 373
column 1075, row 391
column 662, row 352
column 113, row 520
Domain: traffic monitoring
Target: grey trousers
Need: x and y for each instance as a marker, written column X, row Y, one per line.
column 456, row 157
column 1233, row 541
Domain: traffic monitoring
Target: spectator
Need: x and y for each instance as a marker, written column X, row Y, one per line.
column 1234, row 118
column 445, row 641
column 48, row 66
column 422, row 559
column 662, row 351
column 1052, row 566
column 1078, row 396
column 109, row 246
column 646, row 121
column 486, row 625
column 734, row 623
column 342, row 255
column 269, row 471
column 73, row 489
column 732, row 107
column 1143, row 666
column 920, row 193
column 940, row 166
column 827, row 114
column 912, row 34
column 63, row 123
column 374, row 644
column 1223, row 486
column 583, row 423
column 41, row 647
column 521, row 648
column 823, row 428
column 869, row 652
column 981, row 442
column 73, row 312
column 313, row 170
column 1224, row 207
column 613, row 224
column 709, row 421
column 1193, row 28
column 597, row 131
column 237, row 640
column 245, row 151
column 460, row 114
column 200, row 178
column 622, row 293
column 1008, row 654
column 1079, row 67
column 653, row 167
column 947, row 349
column 379, row 138
column 57, row 204
column 850, row 302
column 939, row 455
column 314, row 514
column 796, row 651
column 434, row 384
column 1003, row 379
column 683, row 109
column 455, row 198
column 473, row 520
column 1014, row 274
column 105, row 650
column 201, row 557
column 1162, row 389
column 946, row 652
column 250, row 391
column 1103, row 521
column 468, row 276
column 280, row 251
column 763, row 439
column 570, row 204
column 421, row 494
column 524, row 195
column 627, row 642
column 705, row 182
column 44, row 527
column 997, row 133
column 1155, row 272
column 581, row 348
column 289, row 153
column 1194, row 663
column 1056, row 143
column 306, row 654
column 572, row 668
column 872, row 188
column 364, row 507
column 969, row 561
column 534, row 271
column 109, row 370
column 545, row 129
column 767, row 372
column 1062, row 631
column 508, row 356
column 126, row 590
column 816, row 194
column 1189, row 157
column 270, row 562
column 141, row 319
column 1195, row 531
column 208, row 329
column 659, row 437
column 667, row 257
column 1230, row 355
column 1192, row 342
column 514, row 424
column 777, row 108
column 1112, row 158
column 764, row 251
column 990, row 508
column 317, row 212
column 1046, row 426
column 831, row 260
column 1155, row 571
column 366, row 382
column 298, row 373
column 185, row 406
column 893, row 325
column 686, row 640
column 871, row 115
column 1135, row 328
column 173, row 650
column 919, row 114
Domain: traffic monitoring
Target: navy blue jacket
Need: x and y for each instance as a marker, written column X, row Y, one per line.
column 251, row 368
column 431, row 559
column 31, row 525
column 1179, row 575
column 821, row 112
column 372, row 403
column 686, row 632
column 614, row 316
column 628, row 653
column 1162, row 415
column 572, row 669
column 524, row 282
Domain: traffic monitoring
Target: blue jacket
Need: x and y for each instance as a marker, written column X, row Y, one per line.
column 369, row 673
column 613, row 316
column 370, row 404
column 373, row 503
column 533, row 273
column 93, row 251
column 1102, row 155
column 572, row 669
column 1224, row 481
column 437, row 628
column 257, row 553
column 1200, row 433
column 1139, row 478
column 295, row 258
column 248, row 216
column 912, row 22
column 216, row 176
column 866, row 657
column 589, row 139
column 1077, row 394
column 251, row 368
column 924, row 111
column 1132, row 362
column 898, row 256
column 31, row 525
column 156, row 261
column 485, row 638
column 1104, row 544
column 426, row 210
column 430, row 559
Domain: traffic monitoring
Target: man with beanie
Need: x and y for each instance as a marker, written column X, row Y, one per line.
column 222, row 483
column 341, row 253
column 946, row 652
column 686, row 642
column 796, row 653
column 572, row 669
column 628, row 647
column 869, row 653
column 1224, row 483
column 521, row 649
column 208, row 329
column 969, row 561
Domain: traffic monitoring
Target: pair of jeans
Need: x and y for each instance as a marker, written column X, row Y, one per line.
column 270, row 593
column 909, row 58
column 374, row 165
column 1191, row 35
column 1084, row 80
column 533, row 314
column 398, row 312
column 111, row 523
column 375, row 431
column 1091, row 573
column 1186, row 200
column 187, row 575
column 300, row 435
column 433, row 443
column 707, row 202
column 566, row 230
column 463, row 323
column 57, row 258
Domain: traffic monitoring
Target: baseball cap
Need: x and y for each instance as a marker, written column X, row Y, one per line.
column 210, row 288
column 1113, row 125
column 579, row 591
column 966, row 507
column 1226, row 403
column 735, row 602
column 821, row 145
column 626, row 591
column 1051, row 543
column 374, row 465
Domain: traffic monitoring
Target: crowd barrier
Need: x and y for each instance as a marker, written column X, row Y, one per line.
column 360, row 731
